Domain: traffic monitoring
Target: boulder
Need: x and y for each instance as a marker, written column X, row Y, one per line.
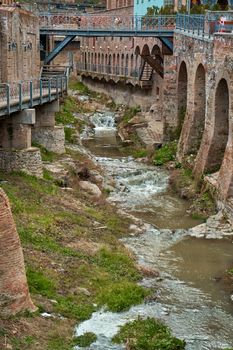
column 90, row 188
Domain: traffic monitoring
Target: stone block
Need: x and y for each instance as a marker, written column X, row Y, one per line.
column 26, row 117
column 53, row 139
column 27, row 160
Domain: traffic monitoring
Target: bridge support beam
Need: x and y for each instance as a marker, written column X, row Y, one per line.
column 44, row 132
column 16, row 153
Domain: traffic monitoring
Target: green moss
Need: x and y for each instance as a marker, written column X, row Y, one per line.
column 166, row 153
column 121, row 296
column 148, row 334
column 86, row 339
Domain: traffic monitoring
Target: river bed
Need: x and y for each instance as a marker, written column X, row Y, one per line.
column 190, row 295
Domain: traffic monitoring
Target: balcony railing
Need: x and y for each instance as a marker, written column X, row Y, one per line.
column 110, row 70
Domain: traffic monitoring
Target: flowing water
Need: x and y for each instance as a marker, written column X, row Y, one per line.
column 190, row 295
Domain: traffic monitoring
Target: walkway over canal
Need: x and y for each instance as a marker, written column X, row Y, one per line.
column 104, row 25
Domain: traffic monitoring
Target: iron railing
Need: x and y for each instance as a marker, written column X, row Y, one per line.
column 31, row 92
column 199, row 24
column 107, row 22
column 190, row 23
column 109, row 69
column 208, row 24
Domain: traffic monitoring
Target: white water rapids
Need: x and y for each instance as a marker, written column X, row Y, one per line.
column 188, row 298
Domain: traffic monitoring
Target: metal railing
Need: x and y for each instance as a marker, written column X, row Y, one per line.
column 118, row 71
column 107, row 22
column 28, row 93
column 199, row 24
column 190, row 23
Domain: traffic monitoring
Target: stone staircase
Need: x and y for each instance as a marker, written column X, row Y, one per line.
column 52, row 71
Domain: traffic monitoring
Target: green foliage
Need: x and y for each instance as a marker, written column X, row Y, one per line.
column 72, row 307
column 230, row 271
column 39, row 283
column 152, row 11
column 121, row 296
column 86, row 339
column 166, row 153
column 140, row 153
column 118, row 265
column 47, row 175
column 69, row 134
column 65, row 116
column 46, row 156
column 148, row 334
column 167, row 10
column 79, row 86
column 23, row 343
column 58, row 342
column 130, row 113
column 41, row 241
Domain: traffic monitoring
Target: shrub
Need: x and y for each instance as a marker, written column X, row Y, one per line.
column 166, row 153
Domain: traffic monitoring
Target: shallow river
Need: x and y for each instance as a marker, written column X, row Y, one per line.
column 190, row 295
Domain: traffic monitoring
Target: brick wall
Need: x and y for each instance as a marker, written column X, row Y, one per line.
column 19, row 45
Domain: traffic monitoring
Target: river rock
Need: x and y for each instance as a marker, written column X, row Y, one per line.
column 80, row 290
column 91, row 188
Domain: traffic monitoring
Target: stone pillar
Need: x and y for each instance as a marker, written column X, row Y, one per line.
column 16, row 153
column 169, row 97
column 14, row 293
column 44, row 132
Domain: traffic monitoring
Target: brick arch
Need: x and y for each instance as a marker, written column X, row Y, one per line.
column 122, row 64
column 145, row 51
column 137, row 50
column 156, row 50
column 221, row 127
column 118, row 64
column 182, row 91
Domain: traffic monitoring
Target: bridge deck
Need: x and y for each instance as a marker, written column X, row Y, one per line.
column 18, row 96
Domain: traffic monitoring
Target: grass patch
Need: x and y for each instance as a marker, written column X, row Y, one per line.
column 73, row 307
column 121, row 296
column 166, row 153
column 140, row 153
column 46, row 156
column 39, row 283
column 119, row 265
column 148, row 334
column 86, row 339
column 79, row 86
